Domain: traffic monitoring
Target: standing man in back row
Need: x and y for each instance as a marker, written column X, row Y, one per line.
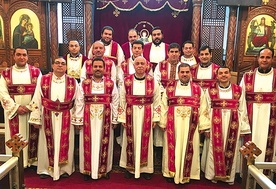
column 127, row 46
column 156, row 51
column 112, row 49
column 74, row 60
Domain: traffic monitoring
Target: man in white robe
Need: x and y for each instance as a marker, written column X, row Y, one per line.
column 17, row 86
column 260, row 88
column 51, row 113
column 184, row 114
column 139, row 112
column 188, row 54
column 228, row 105
column 96, row 116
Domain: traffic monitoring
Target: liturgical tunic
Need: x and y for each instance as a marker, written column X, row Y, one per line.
column 50, row 160
column 183, row 135
column 230, row 128
column 97, row 114
column 139, row 89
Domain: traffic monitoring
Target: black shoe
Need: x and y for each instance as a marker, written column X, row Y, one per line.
column 128, row 175
column 107, row 176
column 169, row 180
column 146, row 176
column 86, row 177
column 64, row 175
column 44, row 176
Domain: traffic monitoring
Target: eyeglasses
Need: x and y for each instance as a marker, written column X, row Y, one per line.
column 60, row 63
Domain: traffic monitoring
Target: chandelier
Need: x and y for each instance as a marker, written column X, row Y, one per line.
column 265, row 2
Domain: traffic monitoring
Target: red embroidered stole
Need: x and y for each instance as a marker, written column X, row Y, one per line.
column 164, row 67
column 58, row 107
column 262, row 97
column 114, row 52
column 108, row 67
column 205, row 83
column 224, row 154
column 146, row 101
column 23, row 89
column 105, row 99
column 194, row 102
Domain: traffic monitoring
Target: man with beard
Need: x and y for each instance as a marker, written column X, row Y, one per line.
column 98, row 50
column 188, row 54
column 156, row 51
column 74, row 60
column 112, row 49
column 132, row 36
column 205, row 72
column 184, row 114
column 96, row 117
column 139, row 112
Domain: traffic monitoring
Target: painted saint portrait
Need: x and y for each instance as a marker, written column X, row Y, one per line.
column 260, row 34
column 26, row 29
column 2, row 43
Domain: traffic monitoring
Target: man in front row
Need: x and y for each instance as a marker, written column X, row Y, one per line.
column 51, row 113
column 139, row 112
column 229, row 122
column 184, row 114
column 96, row 117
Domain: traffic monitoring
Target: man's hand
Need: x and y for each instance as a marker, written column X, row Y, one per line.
column 36, row 126
column 207, row 134
column 22, row 110
column 114, row 126
column 154, row 124
column 124, row 125
column 78, row 127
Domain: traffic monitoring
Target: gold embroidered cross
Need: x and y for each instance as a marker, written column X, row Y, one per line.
column 249, row 151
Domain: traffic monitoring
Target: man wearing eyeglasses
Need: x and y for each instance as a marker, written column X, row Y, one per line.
column 188, row 54
column 51, row 113
column 17, row 85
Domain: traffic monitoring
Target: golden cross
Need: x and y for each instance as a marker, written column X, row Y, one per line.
column 95, row 98
column 143, row 100
column 17, row 143
column 223, row 103
column 249, row 151
column 258, row 97
column 20, row 89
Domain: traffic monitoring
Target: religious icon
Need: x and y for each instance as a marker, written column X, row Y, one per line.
column 26, row 29
column 260, row 34
column 144, row 28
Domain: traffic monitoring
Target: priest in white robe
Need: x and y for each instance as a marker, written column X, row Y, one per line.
column 229, row 124
column 260, row 88
column 96, row 117
column 17, row 85
column 184, row 115
column 51, row 113
column 139, row 112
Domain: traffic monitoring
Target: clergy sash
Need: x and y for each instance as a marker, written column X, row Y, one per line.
column 108, row 67
column 57, row 107
column 114, row 52
column 205, row 83
column 126, row 49
column 192, row 101
column 105, row 100
column 23, row 89
column 262, row 97
column 145, row 101
column 224, row 154
column 164, row 67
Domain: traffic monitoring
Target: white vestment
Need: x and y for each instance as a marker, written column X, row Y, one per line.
column 244, row 128
column 58, row 87
column 182, row 116
column 138, row 122
column 96, row 122
column 19, row 76
column 261, row 113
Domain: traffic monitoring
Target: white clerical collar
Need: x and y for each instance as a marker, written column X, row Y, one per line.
column 57, row 79
column 20, row 69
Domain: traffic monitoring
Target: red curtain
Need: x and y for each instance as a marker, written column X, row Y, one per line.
column 175, row 21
